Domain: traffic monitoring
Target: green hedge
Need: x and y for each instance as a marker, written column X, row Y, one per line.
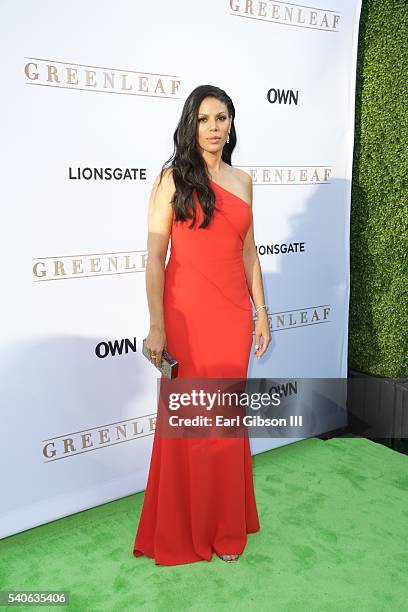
column 378, row 329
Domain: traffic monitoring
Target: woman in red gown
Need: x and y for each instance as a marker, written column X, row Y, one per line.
column 200, row 497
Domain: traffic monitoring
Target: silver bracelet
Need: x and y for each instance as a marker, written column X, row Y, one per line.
column 263, row 306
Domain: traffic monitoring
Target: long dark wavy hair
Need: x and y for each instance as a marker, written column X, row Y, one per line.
column 188, row 165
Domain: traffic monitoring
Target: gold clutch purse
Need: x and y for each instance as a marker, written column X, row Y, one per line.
column 169, row 365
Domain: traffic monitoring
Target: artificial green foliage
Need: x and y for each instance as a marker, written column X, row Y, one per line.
column 378, row 323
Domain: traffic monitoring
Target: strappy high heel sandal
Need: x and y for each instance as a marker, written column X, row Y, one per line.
column 235, row 558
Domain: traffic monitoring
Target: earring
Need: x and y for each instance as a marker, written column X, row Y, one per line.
column 228, row 138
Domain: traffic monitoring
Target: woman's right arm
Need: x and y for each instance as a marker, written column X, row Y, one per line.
column 159, row 220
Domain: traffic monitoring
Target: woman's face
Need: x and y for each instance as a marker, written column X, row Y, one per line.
column 213, row 125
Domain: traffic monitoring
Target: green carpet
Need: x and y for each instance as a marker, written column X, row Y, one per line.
column 334, row 536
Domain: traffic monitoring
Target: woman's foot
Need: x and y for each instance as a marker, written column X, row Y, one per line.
column 228, row 558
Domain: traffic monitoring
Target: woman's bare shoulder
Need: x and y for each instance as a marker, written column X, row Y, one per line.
column 245, row 181
column 161, row 196
column 242, row 176
column 165, row 181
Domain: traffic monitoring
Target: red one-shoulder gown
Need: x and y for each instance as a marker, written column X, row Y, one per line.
column 200, row 497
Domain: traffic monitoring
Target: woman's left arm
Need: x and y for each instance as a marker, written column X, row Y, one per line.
column 255, row 284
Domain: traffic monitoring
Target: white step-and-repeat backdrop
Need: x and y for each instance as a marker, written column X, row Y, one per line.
column 92, row 92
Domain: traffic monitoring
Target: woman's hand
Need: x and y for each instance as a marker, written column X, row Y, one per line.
column 262, row 331
column 155, row 343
